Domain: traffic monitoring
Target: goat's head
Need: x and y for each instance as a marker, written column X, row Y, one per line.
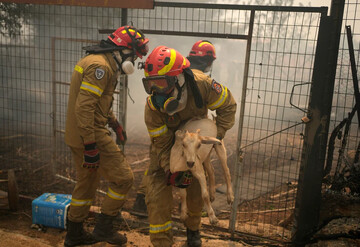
column 191, row 143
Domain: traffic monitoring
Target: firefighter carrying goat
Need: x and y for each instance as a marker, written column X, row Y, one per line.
column 177, row 94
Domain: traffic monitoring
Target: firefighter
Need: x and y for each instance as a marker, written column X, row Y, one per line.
column 201, row 58
column 177, row 94
column 95, row 154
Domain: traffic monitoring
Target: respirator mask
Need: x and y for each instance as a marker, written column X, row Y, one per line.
column 167, row 93
column 125, row 61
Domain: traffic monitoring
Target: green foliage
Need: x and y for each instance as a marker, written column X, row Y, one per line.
column 12, row 18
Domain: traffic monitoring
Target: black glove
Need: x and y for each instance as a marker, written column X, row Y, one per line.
column 91, row 156
column 179, row 179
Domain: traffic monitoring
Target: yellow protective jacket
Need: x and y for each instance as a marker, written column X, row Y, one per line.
column 93, row 83
column 162, row 127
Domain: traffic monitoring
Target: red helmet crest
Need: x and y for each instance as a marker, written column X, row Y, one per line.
column 203, row 48
column 165, row 61
column 131, row 38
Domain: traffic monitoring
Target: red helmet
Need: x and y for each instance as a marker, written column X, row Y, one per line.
column 165, row 61
column 131, row 38
column 203, row 48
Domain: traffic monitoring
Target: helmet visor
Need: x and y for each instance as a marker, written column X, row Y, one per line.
column 159, row 84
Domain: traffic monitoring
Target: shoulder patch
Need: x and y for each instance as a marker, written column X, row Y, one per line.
column 99, row 73
column 216, row 86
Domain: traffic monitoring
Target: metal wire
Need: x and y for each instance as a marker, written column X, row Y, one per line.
column 344, row 100
column 36, row 70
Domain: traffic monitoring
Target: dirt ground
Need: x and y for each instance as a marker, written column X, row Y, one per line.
column 16, row 231
column 33, row 180
column 261, row 217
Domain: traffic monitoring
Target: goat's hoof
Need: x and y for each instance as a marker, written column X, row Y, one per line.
column 230, row 199
column 214, row 221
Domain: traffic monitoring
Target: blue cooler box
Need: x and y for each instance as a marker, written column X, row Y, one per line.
column 50, row 210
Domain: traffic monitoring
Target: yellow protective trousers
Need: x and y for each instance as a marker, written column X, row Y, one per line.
column 114, row 168
column 142, row 187
column 159, row 201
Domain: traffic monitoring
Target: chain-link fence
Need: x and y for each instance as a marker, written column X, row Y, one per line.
column 36, row 66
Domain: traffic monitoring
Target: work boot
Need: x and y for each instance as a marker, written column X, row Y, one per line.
column 193, row 238
column 76, row 235
column 140, row 205
column 104, row 230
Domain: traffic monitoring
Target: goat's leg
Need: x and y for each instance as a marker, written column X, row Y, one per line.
column 183, row 213
column 210, row 172
column 221, row 152
column 199, row 174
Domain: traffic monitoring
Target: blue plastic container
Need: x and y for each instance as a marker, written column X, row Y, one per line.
column 50, row 210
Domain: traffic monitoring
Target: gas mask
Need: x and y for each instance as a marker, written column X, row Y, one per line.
column 168, row 94
column 125, row 61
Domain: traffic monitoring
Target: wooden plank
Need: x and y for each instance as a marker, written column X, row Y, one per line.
column 13, row 192
column 125, row 4
column 267, row 211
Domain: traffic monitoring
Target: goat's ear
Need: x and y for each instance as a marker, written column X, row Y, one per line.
column 179, row 134
column 209, row 140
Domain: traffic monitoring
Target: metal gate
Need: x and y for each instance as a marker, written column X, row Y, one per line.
column 272, row 85
column 265, row 57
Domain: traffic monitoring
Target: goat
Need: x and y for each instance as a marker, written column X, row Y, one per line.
column 188, row 153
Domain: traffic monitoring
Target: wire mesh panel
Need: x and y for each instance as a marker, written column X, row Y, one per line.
column 344, row 147
column 36, row 71
column 188, row 19
column 280, row 69
column 36, row 67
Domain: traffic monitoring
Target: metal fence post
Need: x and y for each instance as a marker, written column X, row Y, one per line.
column 308, row 200
column 241, row 120
column 123, row 81
column 54, row 107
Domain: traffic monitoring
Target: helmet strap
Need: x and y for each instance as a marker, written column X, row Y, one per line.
column 116, row 60
column 209, row 68
column 189, row 77
column 179, row 103
column 178, row 97
column 134, row 41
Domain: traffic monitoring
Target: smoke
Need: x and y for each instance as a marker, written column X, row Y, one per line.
column 227, row 70
column 27, row 74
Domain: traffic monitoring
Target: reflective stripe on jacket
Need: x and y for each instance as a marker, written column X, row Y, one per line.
column 161, row 127
column 93, row 83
